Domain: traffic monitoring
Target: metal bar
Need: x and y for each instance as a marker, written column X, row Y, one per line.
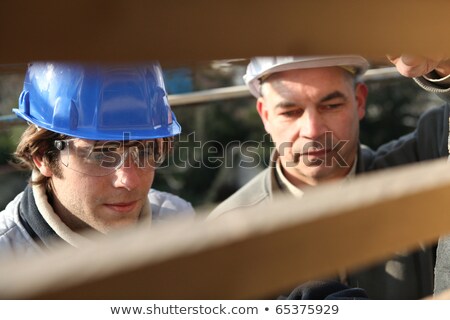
column 234, row 92
column 209, row 95
column 241, row 91
column 9, row 121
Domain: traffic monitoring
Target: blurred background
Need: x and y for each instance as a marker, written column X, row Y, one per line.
column 223, row 143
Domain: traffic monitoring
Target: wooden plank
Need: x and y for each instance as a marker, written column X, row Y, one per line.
column 250, row 255
column 199, row 30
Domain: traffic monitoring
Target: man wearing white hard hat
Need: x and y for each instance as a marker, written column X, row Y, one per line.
column 311, row 107
column 96, row 134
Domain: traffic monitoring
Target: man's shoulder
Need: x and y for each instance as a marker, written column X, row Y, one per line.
column 9, row 215
column 436, row 114
column 167, row 205
column 14, row 239
column 255, row 192
column 428, row 141
column 365, row 158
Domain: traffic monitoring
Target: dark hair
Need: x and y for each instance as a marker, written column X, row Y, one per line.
column 38, row 142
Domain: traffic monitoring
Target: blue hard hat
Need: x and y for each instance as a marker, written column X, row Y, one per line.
column 98, row 102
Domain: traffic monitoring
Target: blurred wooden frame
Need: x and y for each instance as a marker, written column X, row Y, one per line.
column 251, row 255
column 198, row 30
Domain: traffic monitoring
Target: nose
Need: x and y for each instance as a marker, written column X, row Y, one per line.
column 127, row 176
column 311, row 124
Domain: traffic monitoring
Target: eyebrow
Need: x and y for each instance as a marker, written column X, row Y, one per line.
column 333, row 95
column 102, row 145
column 285, row 105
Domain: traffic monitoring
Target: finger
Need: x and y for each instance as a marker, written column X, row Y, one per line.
column 393, row 58
column 413, row 60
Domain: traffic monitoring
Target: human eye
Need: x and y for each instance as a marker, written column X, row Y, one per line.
column 143, row 155
column 332, row 106
column 105, row 158
column 291, row 113
column 94, row 157
column 150, row 156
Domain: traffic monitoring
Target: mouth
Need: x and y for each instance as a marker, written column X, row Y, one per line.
column 122, row 207
column 317, row 152
column 313, row 153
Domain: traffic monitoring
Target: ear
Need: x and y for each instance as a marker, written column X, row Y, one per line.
column 42, row 166
column 361, row 92
column 263, row 113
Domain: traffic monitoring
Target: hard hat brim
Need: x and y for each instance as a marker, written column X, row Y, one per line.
column 253, row 82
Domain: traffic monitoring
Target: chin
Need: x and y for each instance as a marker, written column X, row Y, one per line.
column 319, row 173
column 116, row 225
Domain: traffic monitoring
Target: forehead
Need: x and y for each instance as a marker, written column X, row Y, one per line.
column 313, row 79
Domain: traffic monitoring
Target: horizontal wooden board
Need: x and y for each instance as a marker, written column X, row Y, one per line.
column 254, row 254
column 200, row 30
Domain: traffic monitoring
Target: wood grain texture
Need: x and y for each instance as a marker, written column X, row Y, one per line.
column 253, row 254
column 199, row 30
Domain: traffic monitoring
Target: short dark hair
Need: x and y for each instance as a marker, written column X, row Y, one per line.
column 38, row 142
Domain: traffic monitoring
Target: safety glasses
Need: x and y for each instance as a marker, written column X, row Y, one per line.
column 101, row 158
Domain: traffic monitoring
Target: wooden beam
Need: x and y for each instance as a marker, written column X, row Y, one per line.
column 198, row 30
column 254, row 254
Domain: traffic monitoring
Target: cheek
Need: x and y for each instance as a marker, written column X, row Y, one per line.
column 84, row 187
column 346, row 127
column 287, row 130
column 73, row 191
column 285, row 139
column 84, row 190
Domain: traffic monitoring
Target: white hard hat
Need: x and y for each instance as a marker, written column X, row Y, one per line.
column 264, row 66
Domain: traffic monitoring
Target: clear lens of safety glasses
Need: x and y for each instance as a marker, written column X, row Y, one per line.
column 101, row 158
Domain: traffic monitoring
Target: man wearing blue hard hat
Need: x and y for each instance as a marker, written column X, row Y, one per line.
column 96, row 134
column 311, row 106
